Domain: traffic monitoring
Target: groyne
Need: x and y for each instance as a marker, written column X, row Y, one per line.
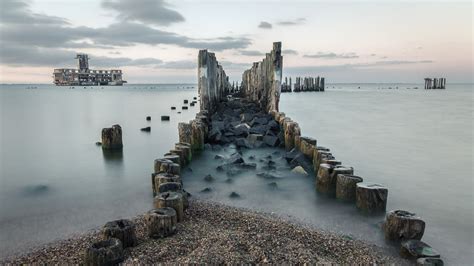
column 248, row 117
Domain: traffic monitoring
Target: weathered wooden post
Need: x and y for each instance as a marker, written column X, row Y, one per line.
column 346, row 187
column 371, row 198
column 123, row 229
column 402, row 225
column 322, row 85
column 170, row 199
column 112, row 138
column 161, row 222
column 291, row 131
column 105, row 252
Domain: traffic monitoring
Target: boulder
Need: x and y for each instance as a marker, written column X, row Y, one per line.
column 112, row 138
column 161, row 222
column 271, row 141
column 268, row 175
column 170, row 199
column 105, row 252
column 371, row 198
column 209, row 178
column 346, row 187
column 299, row 170
column 289, row 156
column 241, row 130
column 242, row 143
column 402, row 225
column 234, row 195
column 414, row 249
column 235, row 158
column 206, row 190
column 122, row 229
column 253, row 138
column 259, row 129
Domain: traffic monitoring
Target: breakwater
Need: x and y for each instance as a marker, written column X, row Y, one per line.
column 303, row 84
column 250, row 118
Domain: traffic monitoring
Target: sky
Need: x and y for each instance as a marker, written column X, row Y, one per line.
column 157, row 41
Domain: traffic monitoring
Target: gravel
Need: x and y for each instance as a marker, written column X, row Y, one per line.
column 214, row 233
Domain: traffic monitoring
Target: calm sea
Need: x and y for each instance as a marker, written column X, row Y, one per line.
column 55, row 182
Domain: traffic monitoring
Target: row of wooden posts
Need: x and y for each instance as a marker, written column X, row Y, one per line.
column 335, row 180
column 303, row 84
column 435, row 83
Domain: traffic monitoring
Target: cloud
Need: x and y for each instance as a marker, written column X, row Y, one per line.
column 155, row 12
column 265, row 25
column 35, row 39
column 180, row 64
column 293, row 22
column 289, row 51
column 331, row 55
column 250, row 53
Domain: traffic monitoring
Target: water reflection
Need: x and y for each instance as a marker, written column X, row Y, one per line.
column 113, row 157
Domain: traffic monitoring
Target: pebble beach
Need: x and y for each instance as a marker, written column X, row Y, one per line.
column 212, row 233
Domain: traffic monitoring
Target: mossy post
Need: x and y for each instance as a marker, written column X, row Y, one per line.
column 112, row 138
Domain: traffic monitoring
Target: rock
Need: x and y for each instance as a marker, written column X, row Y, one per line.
column 246, row 117
column 170, row 187
column 216, row 147
column 242, row 143
column 112, row 137
column 214, row 135
column 260, row 130
column 233, row 171
column 98, row 143
column 301, row 160
column 402, row 225
column 247, row 165
column 105, row 252
column 273, row 125
column 206, row 190
column 414, row 249
column 170, row 199
column 161, row 222
column 273, row 185
column 146, row 129
column 209, row 178
column 148, row 118
column 165, row 118
column 234, row 195
column 429, row 262
column 241, row 130
column 370, row 197
column 267, row 175
column 124, row 230
column 218, row 157
column 299, row 170
column 289, row 156
column 271, row 141
column 346, row 187
column 229, row 180
column 235, row 158
column 253, row 138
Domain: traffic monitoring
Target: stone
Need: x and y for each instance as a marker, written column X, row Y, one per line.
column 234, row 195
column 268, row 175
column 165, row 118
column 241, row 130
column 402, row 225
column 235, row 158
column 214, row 135
column 209, row 178
column 299, row 170
column 122, row 229
column 218, row 157
column 289, row 156
column 170, row 187
column 161, row 222
column 429, row 262
column 105, row 252
column 273, row 185
column 301, row 160
column 242, row 143
column 206, row 190
column 253, row 138
column 146, row 129
column 247, row 165
column 346, row 187
column 414, row 249
column 170, row 199
column 148, row 118
column 112, row 138
column 371, row 198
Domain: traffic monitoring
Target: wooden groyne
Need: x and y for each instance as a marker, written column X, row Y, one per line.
column 303, row 84
column 248, row 116
column 435, row 83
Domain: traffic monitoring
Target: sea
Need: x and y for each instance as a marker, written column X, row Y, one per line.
column 55, row 181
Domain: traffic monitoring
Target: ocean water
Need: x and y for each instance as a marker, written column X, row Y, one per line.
column 55, row 182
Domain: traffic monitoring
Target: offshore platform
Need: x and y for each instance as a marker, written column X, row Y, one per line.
column 85, row 76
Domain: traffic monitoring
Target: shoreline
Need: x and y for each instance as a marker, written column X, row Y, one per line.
column 217, row 233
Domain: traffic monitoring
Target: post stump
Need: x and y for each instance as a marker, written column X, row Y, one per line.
column 346, row 187
column 402, row 225
column 122, row 229
column 161, row 222
column 371, row 198
column 170, row 199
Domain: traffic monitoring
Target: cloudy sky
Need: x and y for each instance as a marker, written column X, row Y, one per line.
column 157, row 41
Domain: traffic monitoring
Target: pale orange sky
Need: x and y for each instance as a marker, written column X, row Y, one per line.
column 158, row 42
